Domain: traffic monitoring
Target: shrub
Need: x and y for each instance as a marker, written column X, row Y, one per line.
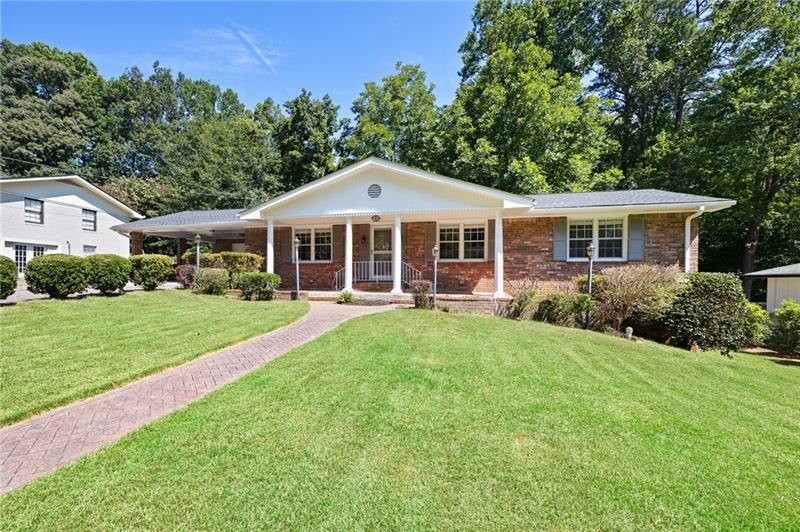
column 212, row 281
column 423, row 294
column 258, row 285
column 523, row 300
column 785, row 335
column 564, row 309
column 149, row 271
column 57, row 275
column 8, row 277
column 345, row 297
column 710, row 312
column 186, row 274
column 236, row 262
column 641, row 291
column 758, row 323
column 108, row 273
column 207, row 260
column 598, row 285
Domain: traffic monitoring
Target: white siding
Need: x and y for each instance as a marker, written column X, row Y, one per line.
column 780, row 288
column 61, row 231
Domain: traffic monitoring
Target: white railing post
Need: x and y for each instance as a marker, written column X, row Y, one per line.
column 348, row 255
column 270, row 246
column 397, row 259
column 499, row 290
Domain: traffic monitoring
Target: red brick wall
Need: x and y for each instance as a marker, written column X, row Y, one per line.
column 528, row 251
column 137, row 243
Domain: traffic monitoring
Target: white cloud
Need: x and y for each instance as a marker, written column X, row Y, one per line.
column 225, row 48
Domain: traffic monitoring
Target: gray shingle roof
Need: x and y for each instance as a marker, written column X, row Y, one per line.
column 790, row 270
column 177, row 219
column 651, row 196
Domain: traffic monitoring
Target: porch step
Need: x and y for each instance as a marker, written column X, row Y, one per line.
column 373, row 287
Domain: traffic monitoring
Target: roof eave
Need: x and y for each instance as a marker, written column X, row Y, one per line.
column 633, row 207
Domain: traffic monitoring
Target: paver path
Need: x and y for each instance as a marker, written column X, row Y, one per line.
column 35, row 447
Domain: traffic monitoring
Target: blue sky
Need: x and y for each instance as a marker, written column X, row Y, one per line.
column 257, row 49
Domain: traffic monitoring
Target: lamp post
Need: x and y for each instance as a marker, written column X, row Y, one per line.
column 590, row 256
column 197, row 240
column 435, row 252
column 297, row 266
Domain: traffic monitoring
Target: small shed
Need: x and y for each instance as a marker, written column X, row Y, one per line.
column 782, row 283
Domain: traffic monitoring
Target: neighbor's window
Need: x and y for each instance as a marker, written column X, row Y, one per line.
column 88, row 220
column 580, row 236
column 315, row 244
column 89, row 250
column 448, row 241
column 609, row 239
column 474, row 241
column 34, row 211
column 38, row 251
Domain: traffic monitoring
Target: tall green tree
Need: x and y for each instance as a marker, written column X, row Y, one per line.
column 306, row 139
column 394, row 119
column 43, row 123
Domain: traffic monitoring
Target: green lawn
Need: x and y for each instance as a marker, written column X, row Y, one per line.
column 421, row 420
column 54, row 352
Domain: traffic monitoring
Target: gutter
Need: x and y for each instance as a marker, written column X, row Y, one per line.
column 687, row 238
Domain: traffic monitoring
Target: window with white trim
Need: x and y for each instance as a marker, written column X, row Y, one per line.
column 609, row 239
column 89, row 250
column 38, row 251
column 315, row 244
column 34, row 211
column 88, row 220
column 580, row 236
column 462, row 241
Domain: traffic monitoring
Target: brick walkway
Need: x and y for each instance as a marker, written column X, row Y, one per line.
column 35, row 447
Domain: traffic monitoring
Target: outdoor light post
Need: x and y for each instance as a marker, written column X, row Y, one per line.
column 297, row 266
column 435, row 267
column 590, row 256
column 197, row 240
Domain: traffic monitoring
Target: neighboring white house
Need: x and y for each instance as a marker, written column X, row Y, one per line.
column 782, row 283
column 65, row 214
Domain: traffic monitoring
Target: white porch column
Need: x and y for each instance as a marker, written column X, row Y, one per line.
column 499, row 291
column 397, row 259
column 270, row 246
column 348, row 255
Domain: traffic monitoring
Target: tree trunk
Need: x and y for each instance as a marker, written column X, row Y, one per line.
column 749, row 254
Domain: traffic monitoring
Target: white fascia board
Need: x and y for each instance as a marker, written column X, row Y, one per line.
column 153, row 229
column 632, row 209
column 81, row 182
column 509, row 200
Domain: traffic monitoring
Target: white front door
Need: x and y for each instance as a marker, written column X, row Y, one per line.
column 382, row 253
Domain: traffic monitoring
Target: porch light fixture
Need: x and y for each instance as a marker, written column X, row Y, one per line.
column 435, row 252
column 297, row 266
column 590, row 256
column 197, row 240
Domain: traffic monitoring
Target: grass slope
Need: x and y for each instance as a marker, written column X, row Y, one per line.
column 54, row 352
column 410, row 419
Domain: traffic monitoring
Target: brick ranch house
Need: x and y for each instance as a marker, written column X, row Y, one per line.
column 373, row 226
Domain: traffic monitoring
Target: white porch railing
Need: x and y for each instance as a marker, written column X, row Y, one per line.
column 376, row 271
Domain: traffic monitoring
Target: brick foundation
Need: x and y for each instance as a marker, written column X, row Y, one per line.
column 137, row 243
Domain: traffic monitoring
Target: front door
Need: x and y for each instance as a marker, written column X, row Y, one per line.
column 382, row 253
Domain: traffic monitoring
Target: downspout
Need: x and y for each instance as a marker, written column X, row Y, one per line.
column 687, row 238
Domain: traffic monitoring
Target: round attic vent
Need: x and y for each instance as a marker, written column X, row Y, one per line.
column 374, row 191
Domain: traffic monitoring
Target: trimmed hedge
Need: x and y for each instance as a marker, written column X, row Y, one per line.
column 258, row 285
column 57, row 275
column 236, row 262
column 107, row 272
column 211, row 281
column 207, row 260
column 8, row 277
column 709, row 312
column 186, row 274
column 149, row 271
column 786, row 333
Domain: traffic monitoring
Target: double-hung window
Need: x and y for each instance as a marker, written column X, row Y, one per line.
column 88, row 220
column 315, row 244
column 462, row 241
column 607, row 235
column 34, row 211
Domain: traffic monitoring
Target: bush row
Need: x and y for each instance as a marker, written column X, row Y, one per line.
column 8, row 277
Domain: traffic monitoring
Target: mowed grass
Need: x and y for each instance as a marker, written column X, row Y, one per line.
column 54, row 352
column 421, row 420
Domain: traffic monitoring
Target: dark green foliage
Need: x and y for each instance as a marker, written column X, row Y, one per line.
column 423, row 294
column 57, row 275
column 237, row 263
column 709, row 312
column 108, row 273
column 560, row 308
column 785, row 335
column 149, row 271
column 212, row 281
column 8, row 277
column 258, row 285
column 186, row 274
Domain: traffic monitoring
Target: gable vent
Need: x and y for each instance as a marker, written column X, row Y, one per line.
column 374, row 191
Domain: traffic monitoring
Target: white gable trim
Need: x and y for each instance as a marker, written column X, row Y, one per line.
column 509, row 200
column 80, row 182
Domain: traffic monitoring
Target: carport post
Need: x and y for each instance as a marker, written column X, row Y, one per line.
column 197, row 240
